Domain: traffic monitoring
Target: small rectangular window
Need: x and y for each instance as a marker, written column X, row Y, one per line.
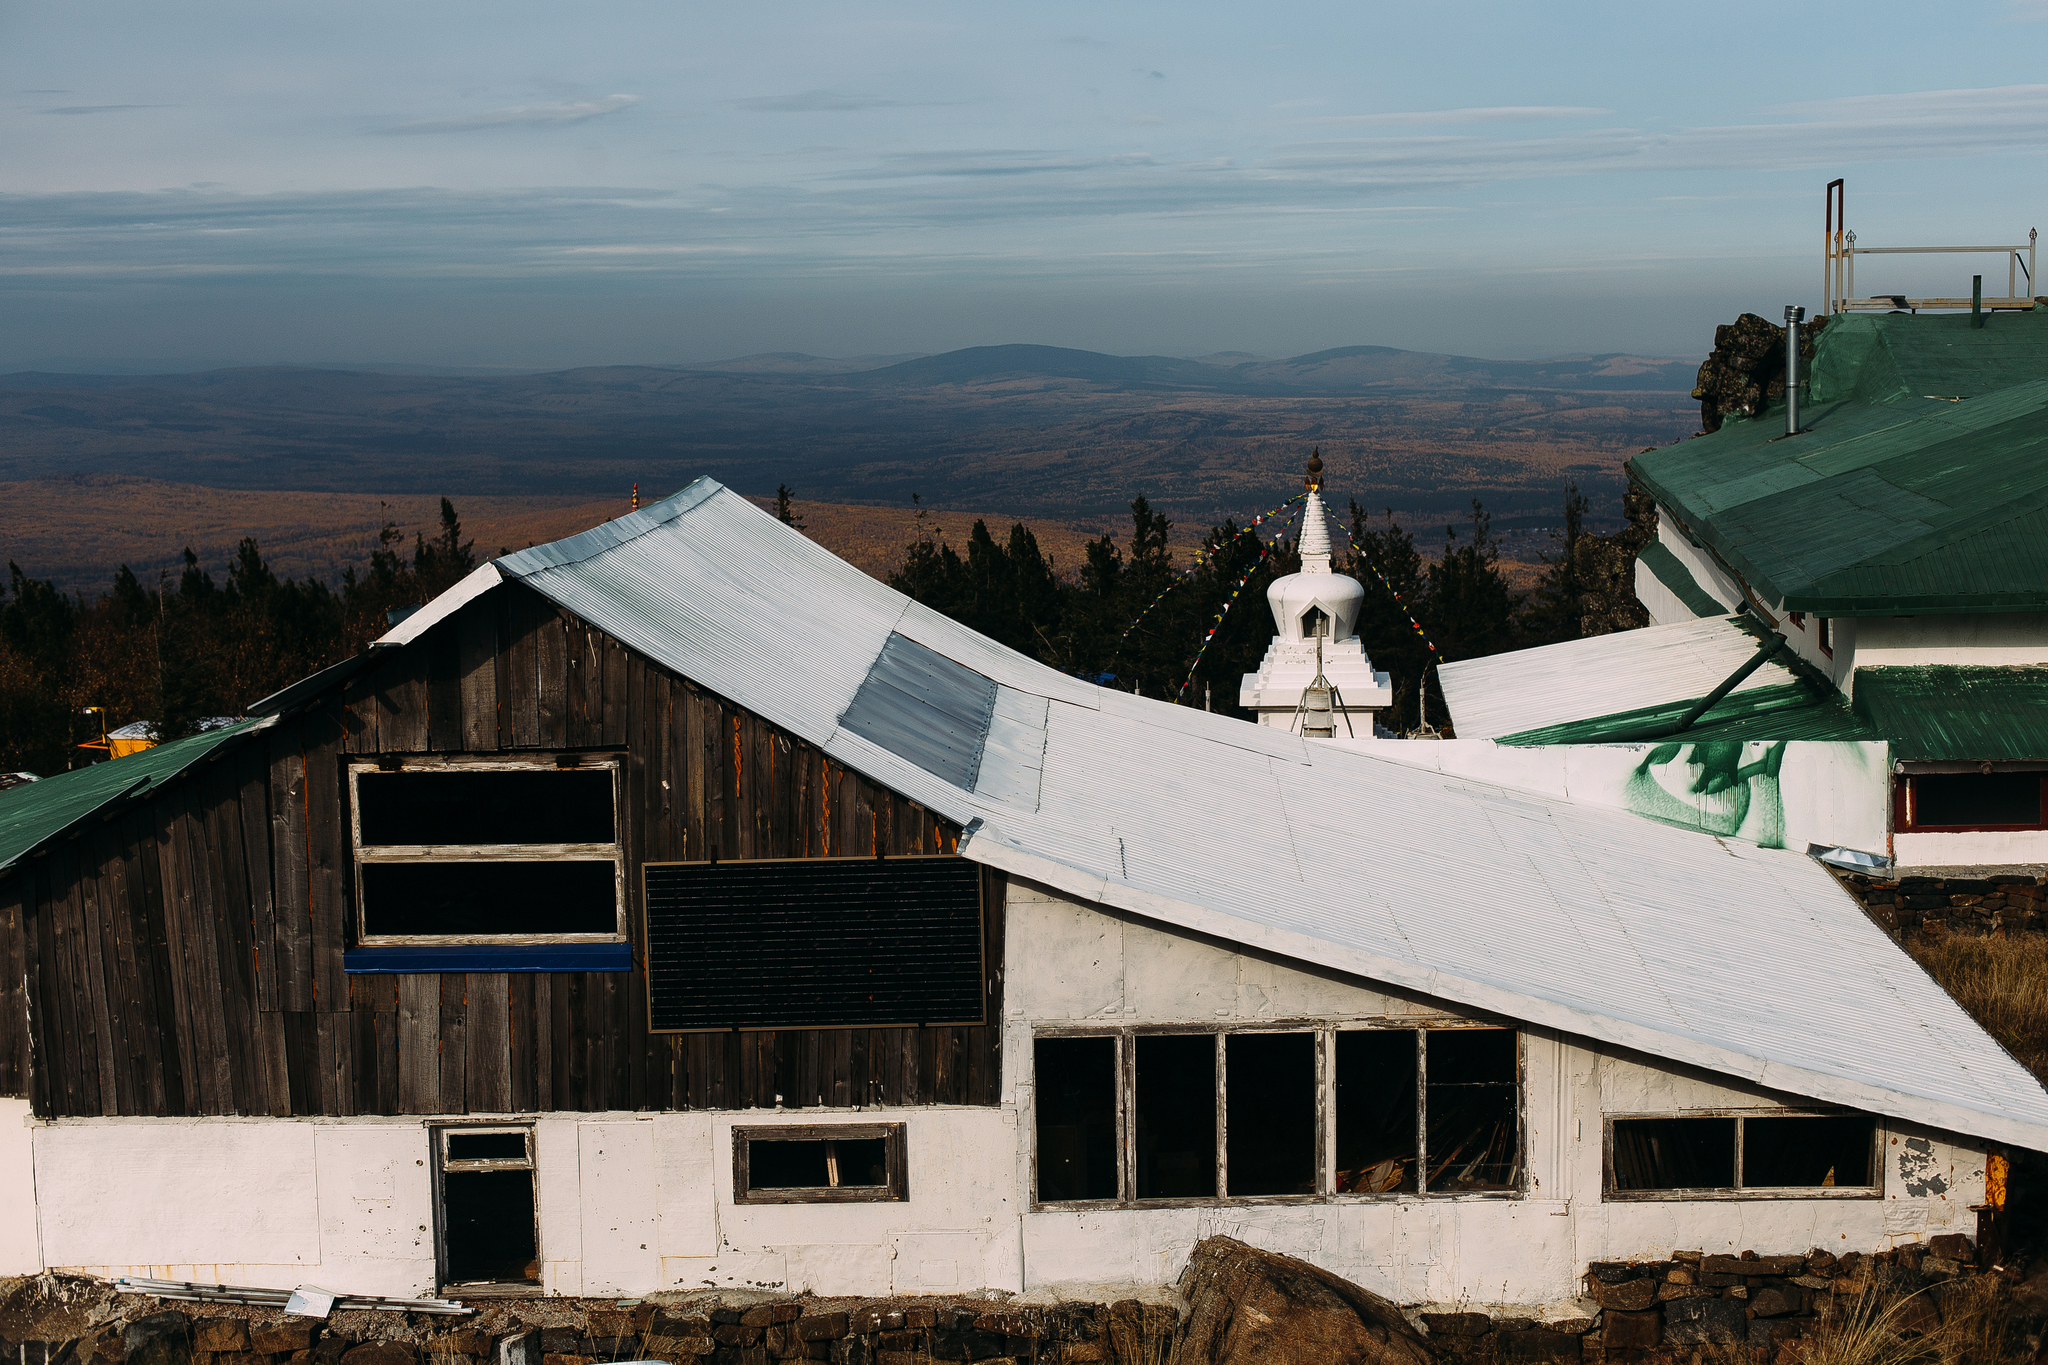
column 1176, row 1116
column 842, row 1164
column 488, row 1235
column 1376, row 1111
column 1474, row 1138
column 1825, row 635
column 1076, row 1100
column 480, row 850
column 1674, row 1154
column 1270, row 1118
column 1741, row 1155
column 1972, row 801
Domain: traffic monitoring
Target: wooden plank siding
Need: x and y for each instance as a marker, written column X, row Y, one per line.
column 185, row 956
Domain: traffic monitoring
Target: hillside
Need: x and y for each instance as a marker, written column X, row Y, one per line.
column 1038, row 431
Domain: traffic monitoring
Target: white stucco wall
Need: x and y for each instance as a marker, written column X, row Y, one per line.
column 1991, row 638
column 632, row 1203
column 19, row 1251
column 1977, row 848
column 1706, row 571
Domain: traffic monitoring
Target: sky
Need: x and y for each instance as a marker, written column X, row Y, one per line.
column 543, row 186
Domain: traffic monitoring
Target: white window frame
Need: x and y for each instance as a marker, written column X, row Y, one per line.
column 614, row 852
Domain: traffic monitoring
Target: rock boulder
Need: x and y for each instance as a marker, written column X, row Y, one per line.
column 1252, row 1307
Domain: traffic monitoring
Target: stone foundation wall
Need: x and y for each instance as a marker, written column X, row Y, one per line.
column 2000, row 903
column 719, row 1329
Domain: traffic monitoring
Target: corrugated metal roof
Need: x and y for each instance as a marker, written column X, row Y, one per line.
column 1626, row 672
column 1920, row 484
column 1933, row 712
column 1747, row 961
column 1795, row 710
column 38, row 813
column 924, row 707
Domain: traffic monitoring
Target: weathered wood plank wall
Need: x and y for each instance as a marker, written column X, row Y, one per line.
column 186, row 956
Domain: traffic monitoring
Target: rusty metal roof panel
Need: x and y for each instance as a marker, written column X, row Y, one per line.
column 1750, row 962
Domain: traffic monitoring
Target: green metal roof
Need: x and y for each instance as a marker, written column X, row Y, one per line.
column 1956, row 712
column 1794, row 710
column 36, row 813
column 1920, row 485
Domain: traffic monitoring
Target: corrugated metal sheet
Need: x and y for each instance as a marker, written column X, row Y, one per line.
column 36, row 813
column 924, row 707
column 1626, row 672
column 1786, row 711
column 1934, row 712
column 1895, row 500
column 1747, row 961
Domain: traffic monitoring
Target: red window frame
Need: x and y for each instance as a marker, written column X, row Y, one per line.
column 1797, row 618
column 1826, row 636
column 1902, row 810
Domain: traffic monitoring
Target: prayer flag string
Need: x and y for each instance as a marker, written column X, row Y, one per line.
column 1201, row 557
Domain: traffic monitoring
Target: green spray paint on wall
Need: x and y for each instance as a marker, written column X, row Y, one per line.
column 1729, row 788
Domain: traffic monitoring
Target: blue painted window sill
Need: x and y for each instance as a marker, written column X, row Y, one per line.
column 492, row 957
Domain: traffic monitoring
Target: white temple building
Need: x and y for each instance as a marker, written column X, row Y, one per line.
column 1315, row 619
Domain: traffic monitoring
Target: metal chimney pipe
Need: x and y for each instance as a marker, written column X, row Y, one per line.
column 1794, row 315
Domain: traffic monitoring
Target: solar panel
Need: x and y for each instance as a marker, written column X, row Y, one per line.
column 814, row 943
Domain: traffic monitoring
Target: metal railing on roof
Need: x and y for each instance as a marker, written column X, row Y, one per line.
column 1839, row 269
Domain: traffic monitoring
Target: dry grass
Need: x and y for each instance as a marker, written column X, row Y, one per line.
column 1977, row 1327
column 2002, row 983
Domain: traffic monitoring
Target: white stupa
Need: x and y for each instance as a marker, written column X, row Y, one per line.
column 1315, row 615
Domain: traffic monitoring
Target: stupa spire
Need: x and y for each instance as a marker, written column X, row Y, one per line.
column 1315, row 523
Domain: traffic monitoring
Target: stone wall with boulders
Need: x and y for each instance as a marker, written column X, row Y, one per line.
column 2007, row 902
column 722, row 1328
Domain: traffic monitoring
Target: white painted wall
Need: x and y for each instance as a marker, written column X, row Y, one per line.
column 1978, row 848
column 632, row 1203
column 1992, row 638
column 19, row 1251
column 1706, row 571
column 1834, row 794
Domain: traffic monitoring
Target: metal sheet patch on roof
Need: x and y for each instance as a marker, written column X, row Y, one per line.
column 922, row 706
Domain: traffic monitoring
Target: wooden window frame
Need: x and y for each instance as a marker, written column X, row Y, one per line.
column 1824, row 634
column 615, row 852
column 1903, row 803
column 1325, row 1032
column 476, row 1289
column 895, row 1147
column 1739, row 1191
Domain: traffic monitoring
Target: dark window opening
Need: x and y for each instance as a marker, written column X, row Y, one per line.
column 1270, row 1133
column 1674, row 1154
column 1375, row 1111
column 851, row 1163
column 1974, row 800
column 487, row 1147
column 1825, row 626
column 1812, row 1152
column 490, row 898
column 1314, row 622
column 1076, row 1100
column 486, row 806
column 815, row 943
column 1176, row 1116
column 1797, row 618
column 817, row 1164
column 488, row 1217
column 1474, row 1139
column 487, row 1212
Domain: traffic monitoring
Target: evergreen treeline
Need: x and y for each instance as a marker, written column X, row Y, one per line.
column 179, row 650
column 1084, row 625
column 193, row 646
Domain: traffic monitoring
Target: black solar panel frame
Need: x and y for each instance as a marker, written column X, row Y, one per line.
column 710, row 936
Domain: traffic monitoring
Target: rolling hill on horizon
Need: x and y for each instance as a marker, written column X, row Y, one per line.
column 1034, row 431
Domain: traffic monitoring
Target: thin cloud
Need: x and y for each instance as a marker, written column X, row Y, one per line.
column 1923, row 104
column 558, row 115
column 101, row 108
column 1511, row 113
column 821, row 102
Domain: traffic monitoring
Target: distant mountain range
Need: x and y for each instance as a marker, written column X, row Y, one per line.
column 1038, row 430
